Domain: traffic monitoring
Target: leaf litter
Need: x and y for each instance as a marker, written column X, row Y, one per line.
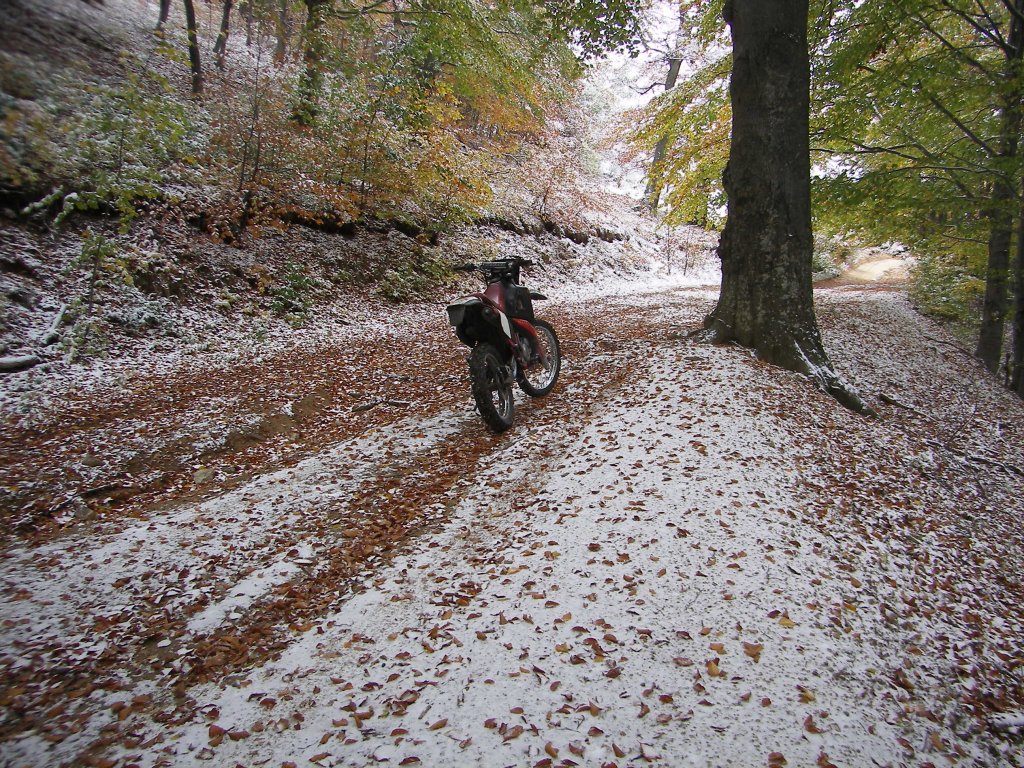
column 682, row 554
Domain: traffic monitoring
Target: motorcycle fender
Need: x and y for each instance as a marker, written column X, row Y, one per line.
column 526, row 327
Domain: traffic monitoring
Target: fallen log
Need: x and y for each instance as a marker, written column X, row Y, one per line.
column 53, row 332
column 18, row 363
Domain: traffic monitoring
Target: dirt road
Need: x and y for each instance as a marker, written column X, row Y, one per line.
column 680, row 555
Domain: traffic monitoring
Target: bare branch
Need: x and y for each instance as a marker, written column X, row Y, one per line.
column 959, row 124
column 990, row 33
column 956, row 50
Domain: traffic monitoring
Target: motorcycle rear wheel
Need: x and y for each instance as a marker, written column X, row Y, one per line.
column 539, row 378
column 492, row 388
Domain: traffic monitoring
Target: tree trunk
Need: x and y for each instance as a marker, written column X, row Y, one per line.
column 193, row 47
column 283, row 30
column 245, row 9
column 766, row 300
column 652, row 194
column 220, row 48
column 1016, row 367
column 314, row 40
column 165, row 11
column 996, row 305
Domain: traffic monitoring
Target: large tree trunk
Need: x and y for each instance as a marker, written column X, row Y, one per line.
column 193, row 47
column 766, row 300
column 996, row 305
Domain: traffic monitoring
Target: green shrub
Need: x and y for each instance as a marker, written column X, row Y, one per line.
column 830, row 255
column 424, row 272
column 943, row 286
column 113, row 146
column 293, row 293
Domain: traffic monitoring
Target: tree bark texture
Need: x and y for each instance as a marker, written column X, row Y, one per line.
column 283, row 32
column 220, row 48
column 996, row 305
column 314, row 40
column 1016, row 367
column 766, row 300
column 193, row 47
column 654, row 181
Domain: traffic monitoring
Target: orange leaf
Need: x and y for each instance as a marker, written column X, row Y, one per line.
column 809, row 725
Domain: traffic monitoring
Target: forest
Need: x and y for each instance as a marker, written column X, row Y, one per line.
column 237, row 116
column 251, row 513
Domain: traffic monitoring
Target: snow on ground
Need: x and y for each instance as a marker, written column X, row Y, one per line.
column 645, row 600
column 681, row 557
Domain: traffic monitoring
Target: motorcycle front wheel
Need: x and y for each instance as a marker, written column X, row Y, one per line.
column 492, row 388
column 540, row 376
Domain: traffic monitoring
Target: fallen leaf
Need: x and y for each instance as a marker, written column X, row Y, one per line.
column 753, row 650
column 809, row 725
column 439, row 725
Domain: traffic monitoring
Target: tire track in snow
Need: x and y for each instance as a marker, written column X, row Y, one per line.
column 254, row 565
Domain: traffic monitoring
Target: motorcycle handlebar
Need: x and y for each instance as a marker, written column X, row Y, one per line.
column 487, row 266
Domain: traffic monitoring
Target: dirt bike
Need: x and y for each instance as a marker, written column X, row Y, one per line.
column 508, row 343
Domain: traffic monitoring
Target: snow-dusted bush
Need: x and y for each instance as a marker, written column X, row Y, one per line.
column 121, row 143
column 944, row 287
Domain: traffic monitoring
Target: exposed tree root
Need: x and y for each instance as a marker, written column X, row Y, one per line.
column 814, row 364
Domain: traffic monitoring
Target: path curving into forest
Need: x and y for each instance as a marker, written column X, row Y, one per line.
column 871, row 267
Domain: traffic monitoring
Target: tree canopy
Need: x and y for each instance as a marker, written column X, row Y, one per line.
column 915, row 124
column 322, row 110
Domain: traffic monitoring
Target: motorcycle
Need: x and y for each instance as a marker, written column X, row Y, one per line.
column 508, row 343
